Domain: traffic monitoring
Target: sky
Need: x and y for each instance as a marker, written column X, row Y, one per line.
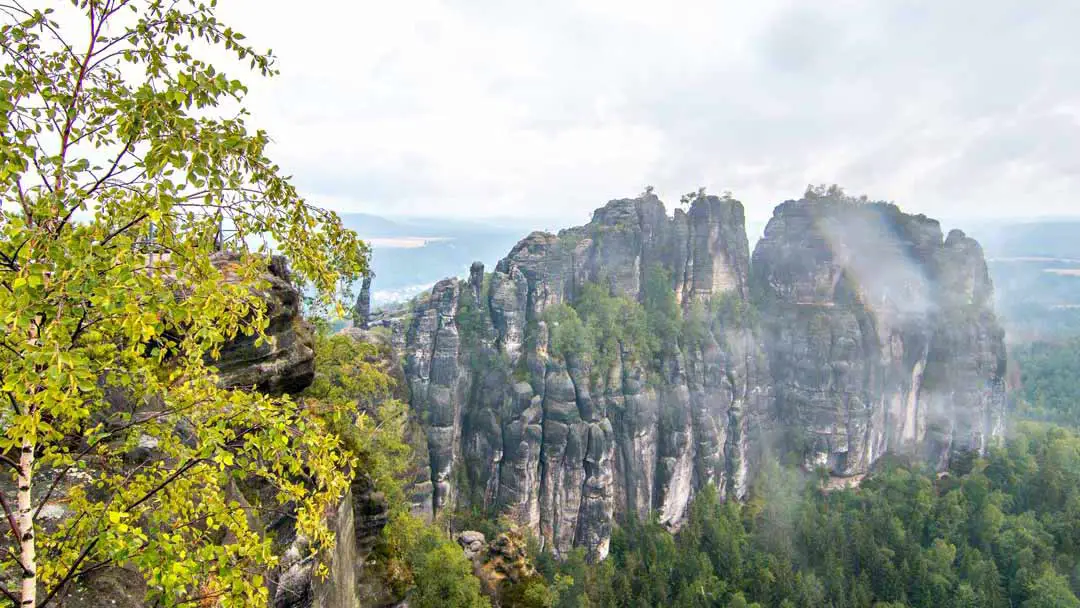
column 546, row 110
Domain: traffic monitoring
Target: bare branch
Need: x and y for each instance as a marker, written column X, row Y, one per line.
column 14, row 525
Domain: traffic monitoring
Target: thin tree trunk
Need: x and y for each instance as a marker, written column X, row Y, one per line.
column 27, row 554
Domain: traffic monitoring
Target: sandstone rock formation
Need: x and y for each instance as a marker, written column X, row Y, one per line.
column 356, row 523
column 362, row 309
column 879, row 334
column 286, row 364
column 557, row 445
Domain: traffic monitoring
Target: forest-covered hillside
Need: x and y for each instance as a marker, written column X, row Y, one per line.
column 1049, row 374
column 998, row 531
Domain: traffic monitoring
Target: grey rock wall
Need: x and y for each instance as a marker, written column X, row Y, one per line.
column 286, row 363
column 881, row 334
column 856, row 330
column 566, row 449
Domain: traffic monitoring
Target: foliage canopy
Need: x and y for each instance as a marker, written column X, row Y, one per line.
column 119, row 171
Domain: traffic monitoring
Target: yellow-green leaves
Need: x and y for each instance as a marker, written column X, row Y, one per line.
column 116, row 174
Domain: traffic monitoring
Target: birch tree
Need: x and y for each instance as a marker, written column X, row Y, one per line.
column 118, row 165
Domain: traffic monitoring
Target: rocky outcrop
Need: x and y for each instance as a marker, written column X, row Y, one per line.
column 362, row 309
column 357, row 523
column 881, row 334
column 472, row 543
column 501, row 564
column 285, row 363
column 563, row 446
column 856, row 330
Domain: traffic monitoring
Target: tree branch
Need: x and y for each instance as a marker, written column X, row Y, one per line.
column 112, row 169
column 25, row 205
column 14, row 404
column 138, row 218
column 11, row 463
column 70, row 111
column 4, row 344
column 177, row 473
column 70, row 573
column 9, row 263
column 11, row 551
column 11, row 519
column 9, row 595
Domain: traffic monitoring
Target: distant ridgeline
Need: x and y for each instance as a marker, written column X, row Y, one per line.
column 1036, row 270
column 616, row 368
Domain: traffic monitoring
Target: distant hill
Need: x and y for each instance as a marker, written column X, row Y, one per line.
column 411, row 254
column 1035, row 266
column 1045, row 238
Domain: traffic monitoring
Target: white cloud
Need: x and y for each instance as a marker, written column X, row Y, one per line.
column 474, row 108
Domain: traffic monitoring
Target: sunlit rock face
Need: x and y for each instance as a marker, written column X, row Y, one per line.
column 880, row 333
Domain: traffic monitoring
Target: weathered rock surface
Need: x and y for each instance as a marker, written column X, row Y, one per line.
column 566, row 449
column 362, row 309
column 881, row 334
column 285, row 364
column 472, row 543
column 857, row 330
column 356, row 523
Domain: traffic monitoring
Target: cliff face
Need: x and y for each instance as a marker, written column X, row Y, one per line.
column 558, row 443
column 881, row 334
column 857, row 329
column 285, row 365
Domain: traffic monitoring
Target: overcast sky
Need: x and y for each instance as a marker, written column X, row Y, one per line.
column 954, row 108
